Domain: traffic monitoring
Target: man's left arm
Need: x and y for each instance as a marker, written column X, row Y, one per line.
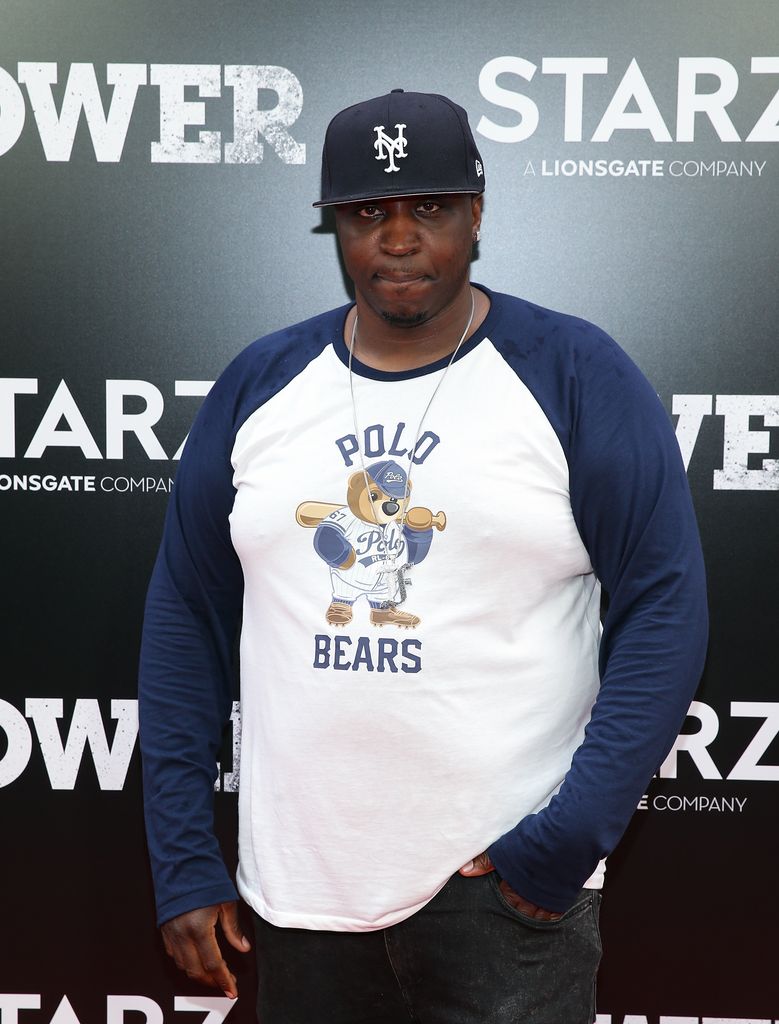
column 631, row 503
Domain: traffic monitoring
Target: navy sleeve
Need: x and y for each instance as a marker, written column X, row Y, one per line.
column 632, row 506
column 185, row 693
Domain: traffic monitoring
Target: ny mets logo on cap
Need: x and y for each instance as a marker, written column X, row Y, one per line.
column 387, row 147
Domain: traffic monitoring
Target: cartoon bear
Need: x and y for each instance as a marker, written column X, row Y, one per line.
column 369, row 543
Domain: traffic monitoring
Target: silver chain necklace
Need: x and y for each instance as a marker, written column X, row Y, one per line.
column 395, row 572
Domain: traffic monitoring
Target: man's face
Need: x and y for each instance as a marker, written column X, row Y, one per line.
column 409, row 258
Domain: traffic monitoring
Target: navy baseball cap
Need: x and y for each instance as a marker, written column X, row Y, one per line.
column 401, row 144
column 389, row 476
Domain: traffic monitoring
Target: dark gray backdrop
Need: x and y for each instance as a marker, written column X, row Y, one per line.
column 135, row 270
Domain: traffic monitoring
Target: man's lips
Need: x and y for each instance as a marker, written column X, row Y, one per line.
column 396, row 277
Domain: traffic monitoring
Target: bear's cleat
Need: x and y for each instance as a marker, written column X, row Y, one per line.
column 393, row 617
column 338, row 614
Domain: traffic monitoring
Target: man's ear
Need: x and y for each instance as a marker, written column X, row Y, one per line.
column 477, row 207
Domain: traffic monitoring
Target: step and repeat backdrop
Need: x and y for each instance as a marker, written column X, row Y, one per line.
column 157, row 166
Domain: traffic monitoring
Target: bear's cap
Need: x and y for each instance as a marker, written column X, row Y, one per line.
column 389, row 476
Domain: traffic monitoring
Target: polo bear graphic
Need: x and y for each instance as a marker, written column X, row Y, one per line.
column 369, row 541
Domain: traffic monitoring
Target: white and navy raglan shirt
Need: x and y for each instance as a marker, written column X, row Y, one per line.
column 377, row 759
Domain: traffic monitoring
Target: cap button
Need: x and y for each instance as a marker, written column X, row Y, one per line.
column 396, row 90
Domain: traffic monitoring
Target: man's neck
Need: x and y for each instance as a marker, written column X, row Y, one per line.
column 385, row 346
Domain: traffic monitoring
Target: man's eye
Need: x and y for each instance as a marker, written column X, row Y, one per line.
column 429, row 206
column 369, row 211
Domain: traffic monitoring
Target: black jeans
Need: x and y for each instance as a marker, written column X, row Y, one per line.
column 468, row 957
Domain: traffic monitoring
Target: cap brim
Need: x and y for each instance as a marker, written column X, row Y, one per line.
column 365, row 198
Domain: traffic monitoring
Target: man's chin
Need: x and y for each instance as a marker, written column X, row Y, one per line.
column 404, row 319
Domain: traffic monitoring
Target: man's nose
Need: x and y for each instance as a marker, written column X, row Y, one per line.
column 399, row 234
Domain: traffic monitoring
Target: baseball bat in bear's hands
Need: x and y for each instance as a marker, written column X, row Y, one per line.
column 423, row 519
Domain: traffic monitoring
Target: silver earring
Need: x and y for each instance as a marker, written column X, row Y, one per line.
column 477, row 235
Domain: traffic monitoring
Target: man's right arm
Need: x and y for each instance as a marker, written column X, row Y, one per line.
column 185, row 688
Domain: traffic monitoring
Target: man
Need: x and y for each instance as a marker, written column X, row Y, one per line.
column 438, row 746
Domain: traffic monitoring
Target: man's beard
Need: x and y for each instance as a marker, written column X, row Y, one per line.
column 398, row 320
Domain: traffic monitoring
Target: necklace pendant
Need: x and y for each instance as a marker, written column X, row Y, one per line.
column 402, row 582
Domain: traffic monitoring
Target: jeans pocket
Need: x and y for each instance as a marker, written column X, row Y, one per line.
column 583, row 901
